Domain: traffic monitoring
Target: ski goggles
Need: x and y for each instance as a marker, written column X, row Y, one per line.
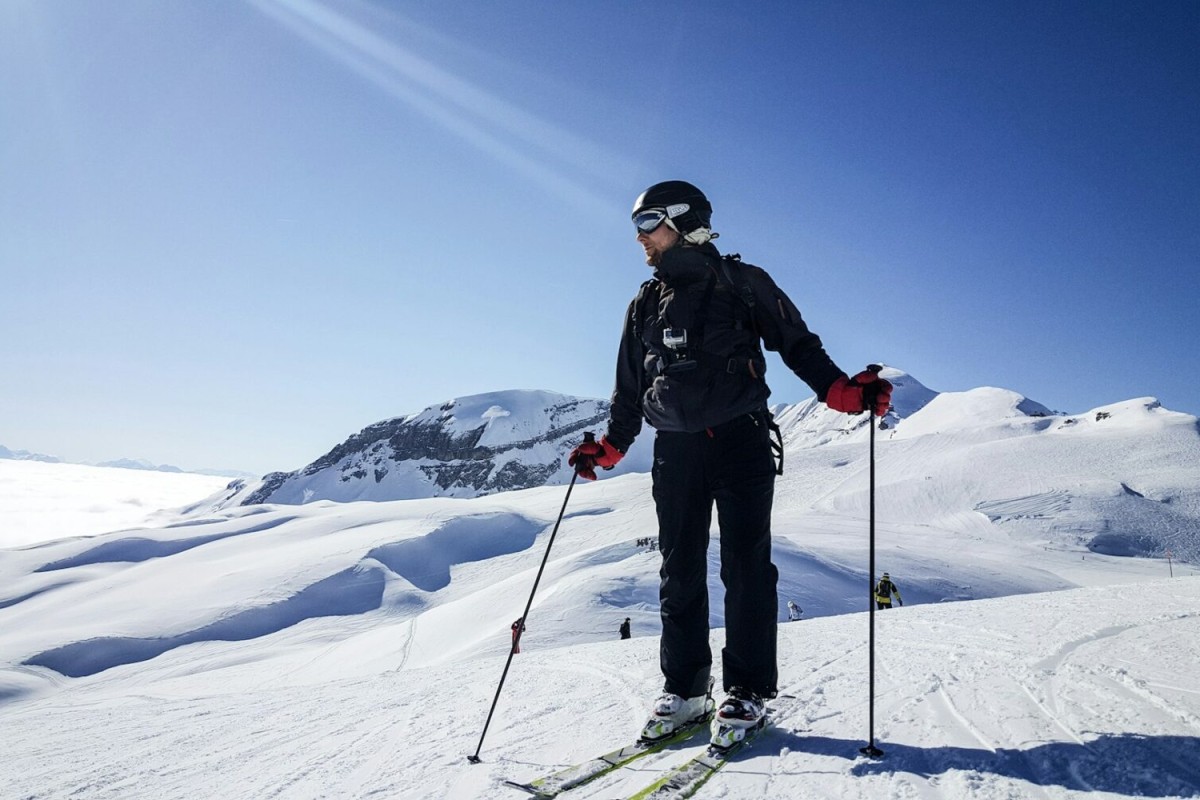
column 648, row 221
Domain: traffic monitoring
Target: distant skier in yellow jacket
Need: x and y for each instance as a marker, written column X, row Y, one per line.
column 884, row 591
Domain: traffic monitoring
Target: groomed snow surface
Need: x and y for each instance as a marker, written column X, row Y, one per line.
column 1086, row 693
column 352, row 650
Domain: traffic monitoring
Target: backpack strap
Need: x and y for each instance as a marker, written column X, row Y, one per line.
column 733, row 277
column 736, row 278
column 648, row 288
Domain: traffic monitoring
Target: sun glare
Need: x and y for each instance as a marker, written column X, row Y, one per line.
column 540, row 150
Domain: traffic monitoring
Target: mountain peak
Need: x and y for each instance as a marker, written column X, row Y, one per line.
column 465, row 447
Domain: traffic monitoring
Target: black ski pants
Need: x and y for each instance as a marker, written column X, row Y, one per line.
column 730, row 464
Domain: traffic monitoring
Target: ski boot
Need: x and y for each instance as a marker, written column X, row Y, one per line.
column 741, row 712
column 672, row 712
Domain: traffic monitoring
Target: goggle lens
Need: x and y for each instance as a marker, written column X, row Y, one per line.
column 648, row 221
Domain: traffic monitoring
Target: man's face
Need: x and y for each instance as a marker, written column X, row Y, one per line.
column 657, row 242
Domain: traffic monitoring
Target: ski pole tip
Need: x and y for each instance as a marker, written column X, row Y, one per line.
column 871, row 751
column 475, row 759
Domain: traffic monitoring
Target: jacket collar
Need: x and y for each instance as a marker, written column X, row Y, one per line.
column 686, row 264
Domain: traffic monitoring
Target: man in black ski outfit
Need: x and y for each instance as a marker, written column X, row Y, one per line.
column 691, row 365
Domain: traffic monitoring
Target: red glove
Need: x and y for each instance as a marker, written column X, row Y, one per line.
column 591, row 454
column 865, row 391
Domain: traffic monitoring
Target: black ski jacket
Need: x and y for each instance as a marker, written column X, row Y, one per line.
column 690, row 355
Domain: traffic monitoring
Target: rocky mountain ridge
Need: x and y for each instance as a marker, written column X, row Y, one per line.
column 466, row 447
column 501, row 441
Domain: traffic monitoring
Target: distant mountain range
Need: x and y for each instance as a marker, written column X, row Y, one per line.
column 511, row 440
column 508, row 440
column 121, row 463
column 25, row 455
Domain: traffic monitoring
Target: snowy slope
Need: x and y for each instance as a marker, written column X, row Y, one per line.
column 811, row 424
column 352, row 649
column 1088, row 693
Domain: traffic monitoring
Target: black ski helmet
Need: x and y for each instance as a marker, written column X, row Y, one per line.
column 686, row 206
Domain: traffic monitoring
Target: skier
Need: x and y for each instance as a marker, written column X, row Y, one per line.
column 884, row 591
column 518, row 627
column 794, row 611
column 625, row 633
column 690, row 363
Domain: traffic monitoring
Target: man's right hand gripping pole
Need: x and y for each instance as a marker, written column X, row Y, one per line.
column 591, row 454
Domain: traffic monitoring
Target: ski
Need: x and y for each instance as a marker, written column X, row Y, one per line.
column 685, row 779
column 558, row 782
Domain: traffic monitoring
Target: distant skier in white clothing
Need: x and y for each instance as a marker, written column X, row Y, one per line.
column 794, row 611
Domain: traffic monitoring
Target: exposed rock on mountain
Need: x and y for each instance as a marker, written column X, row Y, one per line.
column 467, row 447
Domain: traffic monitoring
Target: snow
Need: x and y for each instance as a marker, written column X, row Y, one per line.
column 510, row 416
column 353, row 649
column 955, row 411
column 40, row 501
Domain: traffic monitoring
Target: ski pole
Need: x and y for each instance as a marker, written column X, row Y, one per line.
column 474, row 759
column 871, row 751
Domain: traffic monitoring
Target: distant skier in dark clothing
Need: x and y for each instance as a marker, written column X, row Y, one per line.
column 518, row 627
column 691, row 365
column 884, row 591
column 625, row 634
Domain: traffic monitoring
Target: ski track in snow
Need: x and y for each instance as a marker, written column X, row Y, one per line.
column 973, row 700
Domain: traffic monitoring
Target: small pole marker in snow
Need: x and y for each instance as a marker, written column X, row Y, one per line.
column 1170, row 566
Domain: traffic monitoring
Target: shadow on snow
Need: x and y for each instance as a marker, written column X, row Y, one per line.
column 352, row 591
column 1121, row 763
column 425, row 561
column 135, row 549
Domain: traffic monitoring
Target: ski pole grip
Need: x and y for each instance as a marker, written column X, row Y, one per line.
column 871, row 390
column 588, row 436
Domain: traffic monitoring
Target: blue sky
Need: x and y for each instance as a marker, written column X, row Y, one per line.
column 232, row 234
